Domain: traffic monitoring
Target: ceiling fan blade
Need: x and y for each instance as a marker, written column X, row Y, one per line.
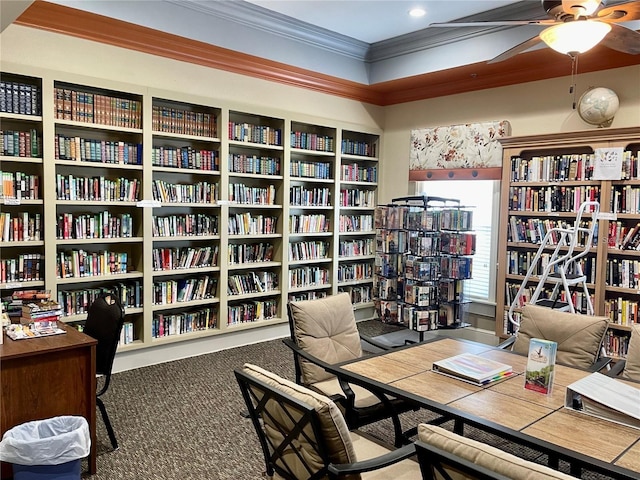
column 622, row 39
column 505, row 23
column 624, row 12
column 521, row 47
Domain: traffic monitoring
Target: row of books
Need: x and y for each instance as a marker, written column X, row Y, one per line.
column 82, row 106
column 94, row 225
column 20, row 143
column 622, row 311
column 386, row 288
column 25, row 267
column 246, row 132
column 518, row 263
column 358, row 173
column 167, row 259
column 623, row 273
column 247, row 224
column 625, row 199
column 169, row 292
column 349, row 272
column 78, row 301
column 312, row 141
column 356, row 147
column 185, row 157
column 309, row 197
column 253, row 282
column 553, row 168
column 166, row 324
column 21, row 98
column 304, row 169
column 616, row 344
column 184, row 225
column 200, row 192
column 312, row 250
column 554, row 198
column 248, row 195
column 421, row 295
column 624, row 237
column 263, row 165
column 127, row 334
column 355, row 223
column 20, row 186
column 356, row 247
column 309, row 277
column 459, row 243
column 99, row 151
column 81, row 263
column 352, row 197
column 317, row 223
column 97, row 189
column 255, row 311
column 358, row 294
column 249, row 253
column 20, row 227
column 533, row 230
column 310, row 295
column 456, row 267
column 391, row 241
column 422, row 269
column 388, row 264
column 183, row 122
column 579, row 299
column 418, row 319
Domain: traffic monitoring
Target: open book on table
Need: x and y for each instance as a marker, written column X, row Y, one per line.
column 605, row 397
column 473, row 368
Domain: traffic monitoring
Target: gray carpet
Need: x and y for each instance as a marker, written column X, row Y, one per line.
column 181, row 420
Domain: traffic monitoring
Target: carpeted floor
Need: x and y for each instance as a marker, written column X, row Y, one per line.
column 182, row 420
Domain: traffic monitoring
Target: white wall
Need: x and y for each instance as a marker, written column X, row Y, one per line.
column 533, row 108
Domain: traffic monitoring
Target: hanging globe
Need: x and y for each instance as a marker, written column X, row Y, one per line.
column 598, row 106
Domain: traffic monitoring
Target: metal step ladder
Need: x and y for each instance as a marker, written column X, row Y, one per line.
column 563, row 269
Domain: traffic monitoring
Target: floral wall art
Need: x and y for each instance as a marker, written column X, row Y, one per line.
column 457, row 151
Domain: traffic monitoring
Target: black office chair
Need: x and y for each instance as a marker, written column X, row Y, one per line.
column 104, row 323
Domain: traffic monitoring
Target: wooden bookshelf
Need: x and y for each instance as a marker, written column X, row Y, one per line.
column 187, row 204
column 615, row 216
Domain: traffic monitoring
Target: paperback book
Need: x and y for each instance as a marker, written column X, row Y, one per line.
column 18, row 331
column 473, row 369
column 540, row 365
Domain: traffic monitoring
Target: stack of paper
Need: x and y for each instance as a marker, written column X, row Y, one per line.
column 472, row 368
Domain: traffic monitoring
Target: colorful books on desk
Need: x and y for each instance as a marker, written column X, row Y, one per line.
column 34, row 330
column 605, row 397
column 473, row 369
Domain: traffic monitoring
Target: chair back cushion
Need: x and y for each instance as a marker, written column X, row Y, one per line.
column 579, row 337
column 486, row 456
column 632, row 365
column 325, row 328
column 280, row 421
column 104, row 323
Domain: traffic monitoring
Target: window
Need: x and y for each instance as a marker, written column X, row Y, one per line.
column 484, row 196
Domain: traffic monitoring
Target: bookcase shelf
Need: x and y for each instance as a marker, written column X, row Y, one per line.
column 94, row 132
column 576, row 150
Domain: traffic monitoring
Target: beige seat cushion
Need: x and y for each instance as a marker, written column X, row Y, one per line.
column 579, row 337
column 334, row 428
column 632, row 365
column 486, row 456
column 325, row 328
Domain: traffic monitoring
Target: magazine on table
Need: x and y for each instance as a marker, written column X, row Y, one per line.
column 605, row 397
column 473, row 369
column 34, row 330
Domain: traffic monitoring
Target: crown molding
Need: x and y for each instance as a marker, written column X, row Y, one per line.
column 478, row 76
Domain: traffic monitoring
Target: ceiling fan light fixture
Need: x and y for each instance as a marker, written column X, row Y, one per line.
column 575, row 37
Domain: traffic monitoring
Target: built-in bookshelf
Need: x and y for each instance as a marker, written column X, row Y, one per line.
column 546, row 178
column 206, row 218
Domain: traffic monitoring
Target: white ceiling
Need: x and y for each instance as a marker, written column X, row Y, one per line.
column 372, row 21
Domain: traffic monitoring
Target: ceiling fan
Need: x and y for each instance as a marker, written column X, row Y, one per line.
column 575, row 26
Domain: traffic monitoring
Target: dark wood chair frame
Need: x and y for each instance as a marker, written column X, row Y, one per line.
column 258, row 397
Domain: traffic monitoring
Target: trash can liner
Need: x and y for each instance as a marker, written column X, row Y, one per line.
column 52, row 441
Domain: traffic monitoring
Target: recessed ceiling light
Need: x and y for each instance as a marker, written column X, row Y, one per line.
column 417, row 12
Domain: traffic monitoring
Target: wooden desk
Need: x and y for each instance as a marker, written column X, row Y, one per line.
column 45, row 377
column 504, row 408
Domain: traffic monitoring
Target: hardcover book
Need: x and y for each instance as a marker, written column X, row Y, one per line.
column 473, row 369
column 540, row 365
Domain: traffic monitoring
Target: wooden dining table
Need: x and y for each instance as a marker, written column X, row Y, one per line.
column 505, row 408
